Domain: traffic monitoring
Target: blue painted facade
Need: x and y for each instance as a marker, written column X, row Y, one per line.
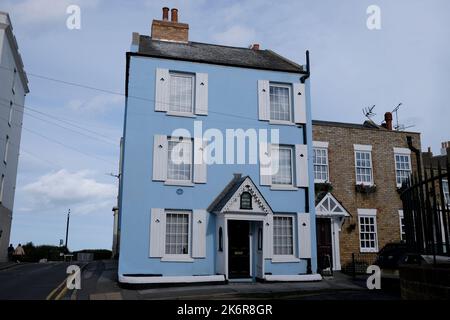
column 233, row 103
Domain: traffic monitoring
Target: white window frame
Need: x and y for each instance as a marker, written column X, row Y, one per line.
column 291, row 112
column 285, row 257
column 182, row 75
column 401, row 152
column 178, row 257
column 368, row 213
column 292, row 184
column 319, row 145
column 364, row 149
column 189, row 182
column 401, row 217
column 446, row 193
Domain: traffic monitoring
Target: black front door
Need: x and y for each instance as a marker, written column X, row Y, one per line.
column 324, row 247
column 238, row 249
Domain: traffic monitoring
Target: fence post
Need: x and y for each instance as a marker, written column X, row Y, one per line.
column 353, row 265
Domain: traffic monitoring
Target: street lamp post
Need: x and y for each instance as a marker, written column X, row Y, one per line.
column 67, row 227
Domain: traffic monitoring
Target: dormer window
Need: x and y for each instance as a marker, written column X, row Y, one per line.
column 246, row 201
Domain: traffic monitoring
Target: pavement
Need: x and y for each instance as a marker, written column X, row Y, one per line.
column 99, row 282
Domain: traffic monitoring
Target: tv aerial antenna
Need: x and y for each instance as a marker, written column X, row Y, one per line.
column 368, row 112
column 398, row 126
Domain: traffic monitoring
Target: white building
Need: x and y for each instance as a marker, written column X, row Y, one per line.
column 13, row 88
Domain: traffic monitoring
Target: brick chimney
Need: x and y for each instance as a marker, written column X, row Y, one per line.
column 255, row 46
column 388, row 120
column 170, row 30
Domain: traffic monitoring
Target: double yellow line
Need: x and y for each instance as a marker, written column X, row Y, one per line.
column 61, row 290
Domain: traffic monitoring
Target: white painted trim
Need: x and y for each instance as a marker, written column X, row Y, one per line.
column 176, row 258
column 284, row 259
column 402, row 150
column 171, row 279
column 287, row 258
column 367, row 212
column 294, row 277
column 371, row 183
column 320, row 144
column 362, row 147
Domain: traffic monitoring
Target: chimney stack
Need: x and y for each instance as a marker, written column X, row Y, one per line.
column 172, row 30
column 174, row 16
column 388, row 120
column 165, row 14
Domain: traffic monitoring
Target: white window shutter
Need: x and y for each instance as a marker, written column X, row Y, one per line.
column 265, row 164
column 162, row 92
column 200, row 166
column 263, row 100
column 304, row 235
column 301, row 165
column 299, row 103
column 201, row 93
column 268, row 237
column 157, row 232
column 160, row 151
column 199, row 233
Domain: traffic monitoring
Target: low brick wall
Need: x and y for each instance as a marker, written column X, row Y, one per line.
column 425, row 282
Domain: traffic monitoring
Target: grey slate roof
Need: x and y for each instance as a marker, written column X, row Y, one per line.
column 217, row 54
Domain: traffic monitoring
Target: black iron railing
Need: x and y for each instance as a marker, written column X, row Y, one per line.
column 426, row 211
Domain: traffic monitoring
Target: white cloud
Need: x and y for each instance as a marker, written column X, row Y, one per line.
column 97, row 104
column 70, row 190
column 236, row 36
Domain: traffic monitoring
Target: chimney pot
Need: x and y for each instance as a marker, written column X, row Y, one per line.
column 165, row 16
column 388, row 119
column 174, row 17
column 255, row 46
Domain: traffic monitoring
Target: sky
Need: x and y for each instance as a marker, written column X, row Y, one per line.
column 66, row 158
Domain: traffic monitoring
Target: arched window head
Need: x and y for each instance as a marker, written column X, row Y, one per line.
column 246, row 201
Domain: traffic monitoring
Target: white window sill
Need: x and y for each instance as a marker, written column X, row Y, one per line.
column 179, row 183
column 180, row 114
column 283, row 188
column 282, row 123
column 284, row 259
column 368, row 251
column 177, row 259
column 322, row 181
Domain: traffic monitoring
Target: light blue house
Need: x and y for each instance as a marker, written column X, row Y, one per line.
column 225, row 211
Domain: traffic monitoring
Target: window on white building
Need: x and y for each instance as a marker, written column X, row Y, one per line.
column 177, row 233
column 283, row 236
column 5, row 159
column 179, row 159
column 368, row 238
column 320, row 161
column 181, row 93
column 363, row 159
column 402, row 168
column 2, row 185
column 11, row 110
column 280, row 103
column 284, row 175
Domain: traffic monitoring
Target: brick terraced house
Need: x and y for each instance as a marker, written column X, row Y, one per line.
column 358, row 171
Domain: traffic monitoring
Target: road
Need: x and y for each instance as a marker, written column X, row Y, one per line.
column 31, row 281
